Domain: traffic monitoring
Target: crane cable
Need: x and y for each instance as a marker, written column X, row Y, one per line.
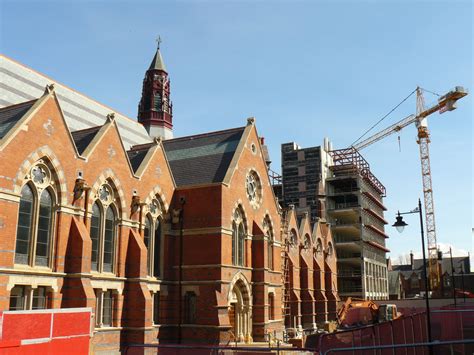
column 393, row 109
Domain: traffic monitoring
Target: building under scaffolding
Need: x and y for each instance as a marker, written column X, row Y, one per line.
column 338, row 186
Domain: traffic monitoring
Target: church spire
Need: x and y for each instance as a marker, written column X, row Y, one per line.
column 155, row 110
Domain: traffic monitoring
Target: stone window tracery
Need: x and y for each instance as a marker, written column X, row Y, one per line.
column 36, row 216
column 253, row 189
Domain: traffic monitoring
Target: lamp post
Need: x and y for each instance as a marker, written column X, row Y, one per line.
column 400, row 226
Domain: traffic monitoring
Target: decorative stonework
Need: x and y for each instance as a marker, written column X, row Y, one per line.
column 253, row 187
column 48, row 127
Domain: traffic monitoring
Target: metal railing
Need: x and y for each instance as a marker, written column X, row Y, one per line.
column 182, row 349
column 438, row 347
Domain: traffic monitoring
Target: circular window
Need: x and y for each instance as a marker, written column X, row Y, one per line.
column 254, row 188
column 253, row 148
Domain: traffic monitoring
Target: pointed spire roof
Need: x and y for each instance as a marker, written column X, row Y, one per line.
column 157, row 63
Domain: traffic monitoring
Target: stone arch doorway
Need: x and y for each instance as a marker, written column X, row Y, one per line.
column 240, row 309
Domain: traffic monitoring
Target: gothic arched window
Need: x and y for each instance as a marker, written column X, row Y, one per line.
column 293, row 238
column 103, row 230
column 153, row 237
column 36, row 216
column 268, row 230
column 238, row 239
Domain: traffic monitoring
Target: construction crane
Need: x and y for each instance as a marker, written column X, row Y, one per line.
column 445, row 103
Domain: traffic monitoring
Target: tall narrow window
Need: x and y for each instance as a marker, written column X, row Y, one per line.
column 23, row 234
column 241, row 244
column 157, row 249
column 43, row 239
column 234, row 243
column 190, row 307
column 268, row 230
column 107, row 308
column 95, row 235
column 271, row 306
column 156, row 308
column 103, row 230
column 238, row 239
column 109, row 237
column 147, row 240
column 36, row 218
column 153, row 237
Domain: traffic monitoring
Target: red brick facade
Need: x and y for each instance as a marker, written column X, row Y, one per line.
column 82, row 226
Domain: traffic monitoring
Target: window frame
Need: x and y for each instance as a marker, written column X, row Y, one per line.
column 154, row 218
column 238, row 239
column 100, row 308
column 37, row 189
column 104, row 204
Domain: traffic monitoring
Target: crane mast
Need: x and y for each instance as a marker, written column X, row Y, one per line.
column 445, row 103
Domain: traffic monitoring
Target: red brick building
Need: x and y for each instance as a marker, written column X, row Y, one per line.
column 167, row 240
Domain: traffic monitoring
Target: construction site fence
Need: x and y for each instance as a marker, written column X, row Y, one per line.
column 177, row 349
column 446, row 325
column 456, row 347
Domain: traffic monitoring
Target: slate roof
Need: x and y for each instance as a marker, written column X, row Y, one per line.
column 83, row 137
column 137, row 154
column 12, row 114
column 393, row 282
column 157, row 63
column 204, row 158
column 459, row 262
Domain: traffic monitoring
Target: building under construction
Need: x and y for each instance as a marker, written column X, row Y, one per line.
column 338, row 186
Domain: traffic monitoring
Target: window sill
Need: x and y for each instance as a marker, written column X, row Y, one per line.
column 107, row 329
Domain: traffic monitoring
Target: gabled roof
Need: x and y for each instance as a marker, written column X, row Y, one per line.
column 204, row 158
column 137, row 154
column 84, row 137
column 12, row 114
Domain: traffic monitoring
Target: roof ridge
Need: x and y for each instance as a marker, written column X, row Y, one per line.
column 207, row 134
column 18, row 105
column 86, row 129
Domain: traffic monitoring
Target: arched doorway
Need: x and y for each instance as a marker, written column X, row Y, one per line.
column 240, row 310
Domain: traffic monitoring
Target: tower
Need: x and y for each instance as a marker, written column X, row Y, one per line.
column 155, row 110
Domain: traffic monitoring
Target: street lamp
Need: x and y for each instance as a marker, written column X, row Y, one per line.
column 400, row 226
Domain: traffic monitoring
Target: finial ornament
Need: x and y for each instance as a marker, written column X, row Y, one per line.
column 158, row 41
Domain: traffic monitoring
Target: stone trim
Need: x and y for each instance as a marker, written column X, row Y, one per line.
column 58, row 172
column 105, row 285
column 33, row 281
column 109, row 174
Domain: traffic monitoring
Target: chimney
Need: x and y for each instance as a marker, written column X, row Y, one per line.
column 411, row 260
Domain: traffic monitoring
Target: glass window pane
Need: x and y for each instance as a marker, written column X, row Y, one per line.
column 156, row 308
column 109, row 239
column 95, row 235
column 190, row 300
column 107, row 309
column 157, row 250
column 146, row 239
column 241, row 245
column 17, row 298
column 23, row 232
column 40, row 298
column 234, row 241
column 43, row 239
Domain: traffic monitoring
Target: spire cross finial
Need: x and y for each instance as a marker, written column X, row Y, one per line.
column 158, row 41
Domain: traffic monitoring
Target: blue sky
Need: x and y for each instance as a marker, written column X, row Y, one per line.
column 304, row 69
